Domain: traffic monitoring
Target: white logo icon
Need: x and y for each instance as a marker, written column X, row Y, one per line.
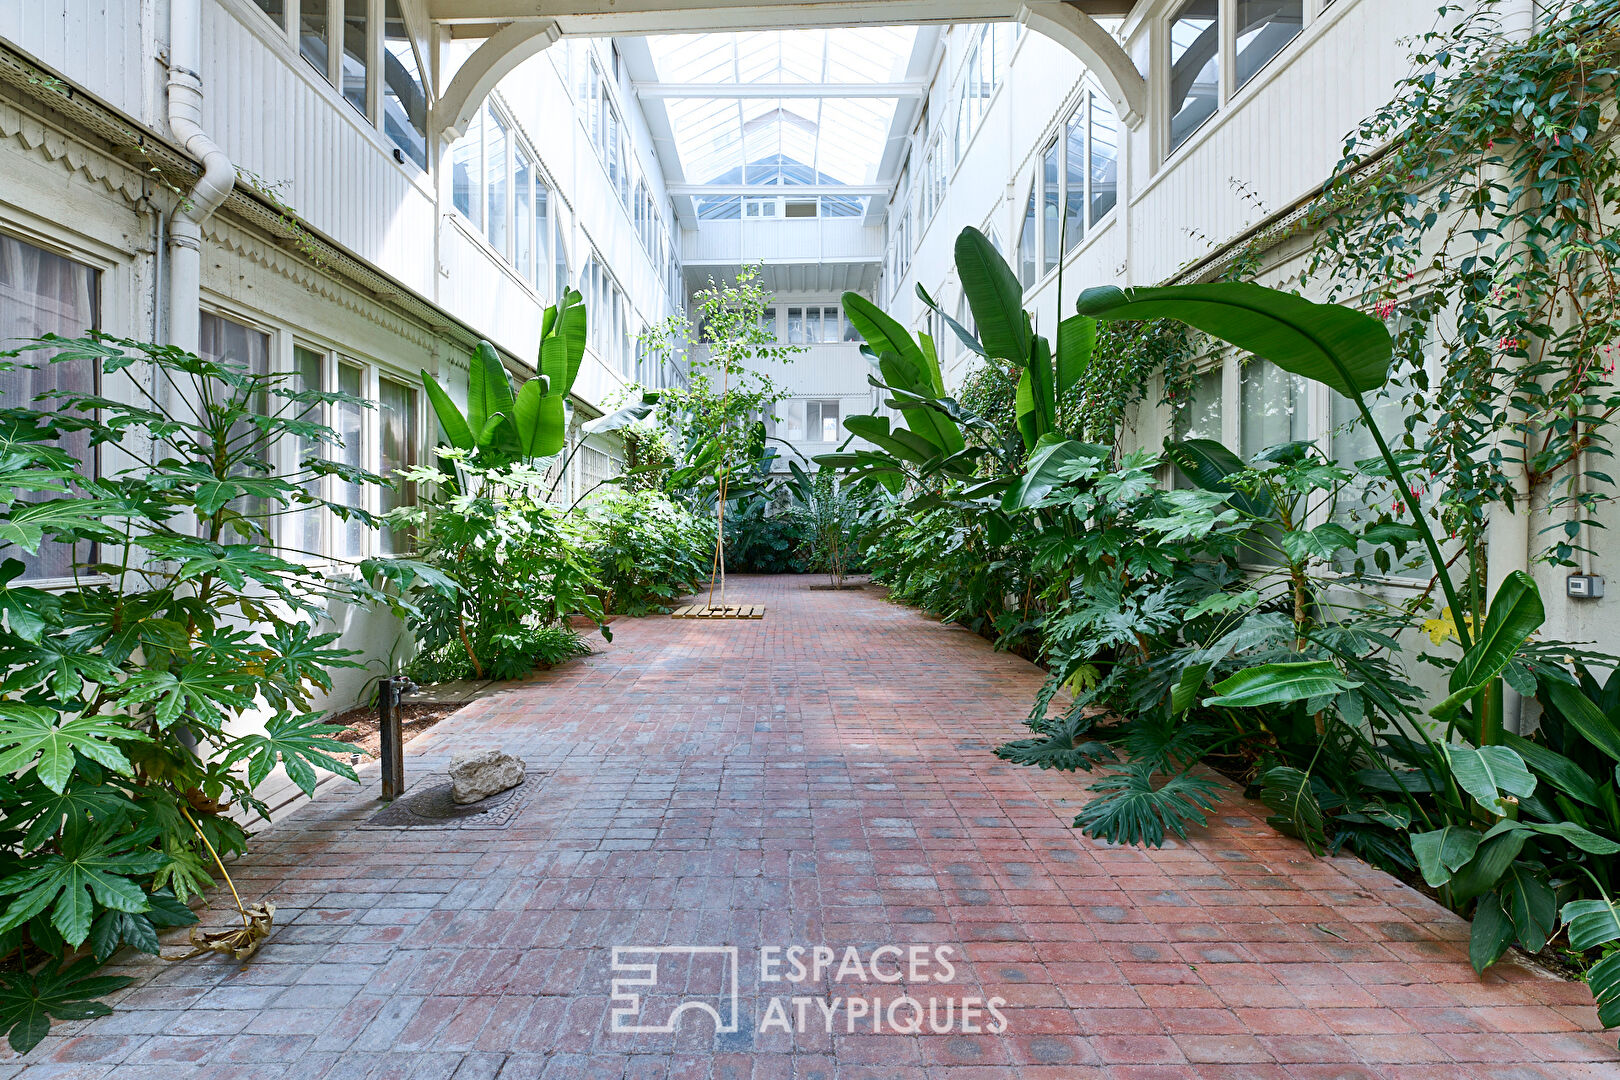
column 641, row 965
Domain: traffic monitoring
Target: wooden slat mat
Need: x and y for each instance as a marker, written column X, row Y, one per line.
column 733, row 611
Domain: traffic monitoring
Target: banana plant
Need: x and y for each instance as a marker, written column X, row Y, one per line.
column 1046, row 374
column 503, row 428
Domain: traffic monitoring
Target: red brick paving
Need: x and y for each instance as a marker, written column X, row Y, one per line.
column 820, row 777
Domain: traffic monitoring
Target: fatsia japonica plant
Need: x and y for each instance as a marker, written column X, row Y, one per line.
column 145, row 704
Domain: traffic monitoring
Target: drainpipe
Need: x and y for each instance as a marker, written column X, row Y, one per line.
column 185, row 93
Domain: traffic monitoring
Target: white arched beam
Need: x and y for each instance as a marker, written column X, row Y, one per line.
column 1097, row 49
column 491, row 62
column 517, row 41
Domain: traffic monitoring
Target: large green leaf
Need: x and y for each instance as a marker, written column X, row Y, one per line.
column 28, row 1002
column 73, row 881
column 1289, row 792
column 301, row 743
column 1273, row 684
column 929, row 424
column 1207, row 464
column 1346, row 349
column 900, row 442
column 1585, row 839
column 489, row 391
column 1603, row 978
column 1591, row 923
column 1036, row 399
column 1516, row 613
column 35, row 740
column 454, row 425
column 1134, row 808
column 1444, row 851
column 1076, row 341
column 1490, row 772
column 1531, row 904
column 622, row 417
column 1585, row 717
column 885, row 335
column 996, row 297
column 526, row 416
column 1568, row 777
column 1491, row 934
column 1044, row 471
column 1497, row 851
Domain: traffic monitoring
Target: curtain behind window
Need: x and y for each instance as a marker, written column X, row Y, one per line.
column 43, row 293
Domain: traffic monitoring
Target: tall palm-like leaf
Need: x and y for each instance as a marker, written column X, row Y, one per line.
column 997, row 300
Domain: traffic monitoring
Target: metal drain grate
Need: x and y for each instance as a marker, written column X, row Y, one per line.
column 434, row 808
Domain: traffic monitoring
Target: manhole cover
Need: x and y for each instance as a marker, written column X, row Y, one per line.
column 433, row 807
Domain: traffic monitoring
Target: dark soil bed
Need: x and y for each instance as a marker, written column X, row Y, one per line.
column 361, row 726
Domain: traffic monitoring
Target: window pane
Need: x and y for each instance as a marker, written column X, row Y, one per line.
column 225, row 341
column 348, row 419
column 1264, row 28
column 792, row 420
column 313, row 36
column 559, row 259
column 355, row 19
column 495, row 182
column 1200, row 416
column 767, row 321
column 829, row 421
column 305, row 527
column 1195, row 67
column 1074, row 181
column 404, row 102
column 795, row 325
column 276, row 9
column 1026, row 244
column 522, row 213
column 1051, row 219
column 1104, row 157
column 542, row 234
column 397, row 416
column 43, row 293
column 467, row 171
column 1273, row 407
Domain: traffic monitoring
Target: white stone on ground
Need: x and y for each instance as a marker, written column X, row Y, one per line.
column 478, row 774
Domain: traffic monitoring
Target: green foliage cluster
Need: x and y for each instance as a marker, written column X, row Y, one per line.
column 647, row 552
column 518, row 561
column 831, row 518
column 150, row 701
column 760, row 541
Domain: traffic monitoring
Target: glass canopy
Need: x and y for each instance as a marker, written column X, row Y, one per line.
column 741, row 139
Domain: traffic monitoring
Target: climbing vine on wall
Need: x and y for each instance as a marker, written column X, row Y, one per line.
column 1480, row 210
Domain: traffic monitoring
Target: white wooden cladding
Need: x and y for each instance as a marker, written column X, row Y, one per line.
column 794, row 240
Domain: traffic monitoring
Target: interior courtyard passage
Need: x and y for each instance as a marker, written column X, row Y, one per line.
column 782, row 848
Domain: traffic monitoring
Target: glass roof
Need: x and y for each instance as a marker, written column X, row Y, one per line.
column 778, row 140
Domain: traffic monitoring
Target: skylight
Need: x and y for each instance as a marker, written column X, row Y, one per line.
column 779, row 140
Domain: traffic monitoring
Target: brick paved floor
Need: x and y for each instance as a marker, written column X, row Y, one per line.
column 822, row 777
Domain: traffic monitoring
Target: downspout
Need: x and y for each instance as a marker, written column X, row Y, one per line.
column 185, row 99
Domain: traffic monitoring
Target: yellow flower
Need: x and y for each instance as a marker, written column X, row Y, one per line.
column 1445, row 626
